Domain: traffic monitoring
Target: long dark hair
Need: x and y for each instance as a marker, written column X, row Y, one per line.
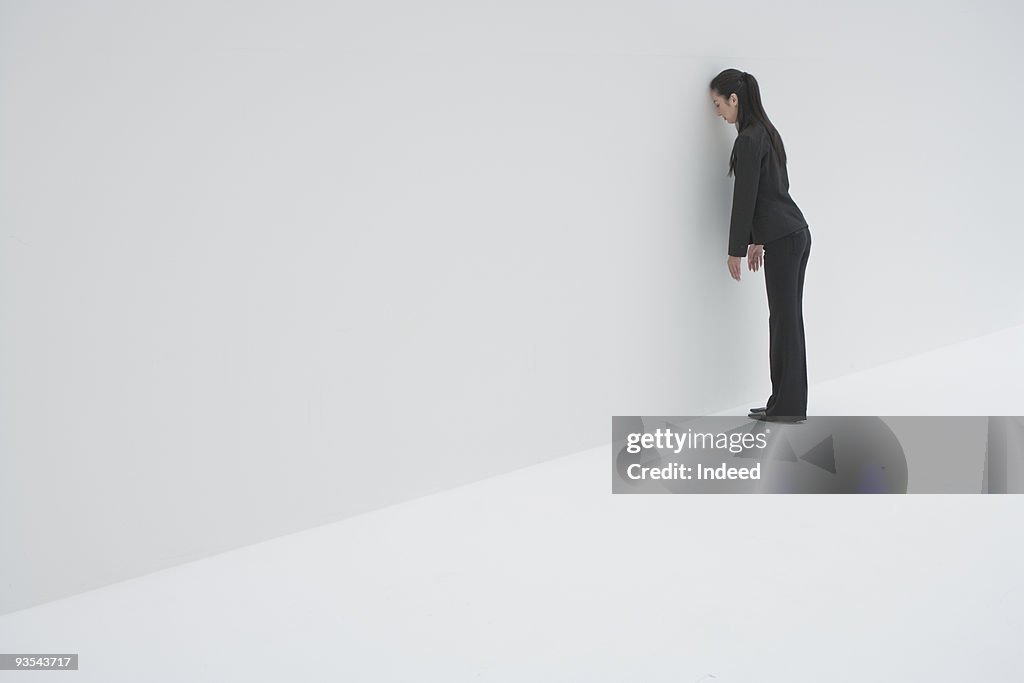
column 750, row 108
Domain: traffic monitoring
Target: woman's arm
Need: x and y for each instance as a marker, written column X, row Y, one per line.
column 747, row 170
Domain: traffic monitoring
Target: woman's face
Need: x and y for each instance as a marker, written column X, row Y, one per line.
column 726, row 108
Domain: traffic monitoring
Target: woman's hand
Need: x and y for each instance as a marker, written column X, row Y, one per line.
column 734, row 267
column 755, row 256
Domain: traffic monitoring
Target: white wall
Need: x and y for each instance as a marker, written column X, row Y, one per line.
column 263, row 267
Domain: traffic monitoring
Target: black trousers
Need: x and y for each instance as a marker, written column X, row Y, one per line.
column 785, row 261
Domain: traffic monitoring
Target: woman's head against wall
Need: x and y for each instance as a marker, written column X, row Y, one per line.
column 736, row 97
column 729, row 95
column 725, row 94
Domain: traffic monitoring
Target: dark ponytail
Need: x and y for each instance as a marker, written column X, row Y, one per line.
column 750, row 108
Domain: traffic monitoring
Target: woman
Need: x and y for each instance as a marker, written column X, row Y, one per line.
column 767, row 225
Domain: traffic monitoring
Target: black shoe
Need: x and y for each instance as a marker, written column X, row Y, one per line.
column 779, row 418
column 759, row 410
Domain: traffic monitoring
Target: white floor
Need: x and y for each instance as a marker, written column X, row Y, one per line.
column 543, row 575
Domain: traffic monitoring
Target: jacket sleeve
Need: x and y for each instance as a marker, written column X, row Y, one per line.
column 747, row 172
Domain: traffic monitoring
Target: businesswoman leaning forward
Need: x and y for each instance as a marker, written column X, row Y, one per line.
column 767, row 226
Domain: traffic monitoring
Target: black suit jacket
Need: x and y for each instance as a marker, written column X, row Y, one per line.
column 762, row 209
